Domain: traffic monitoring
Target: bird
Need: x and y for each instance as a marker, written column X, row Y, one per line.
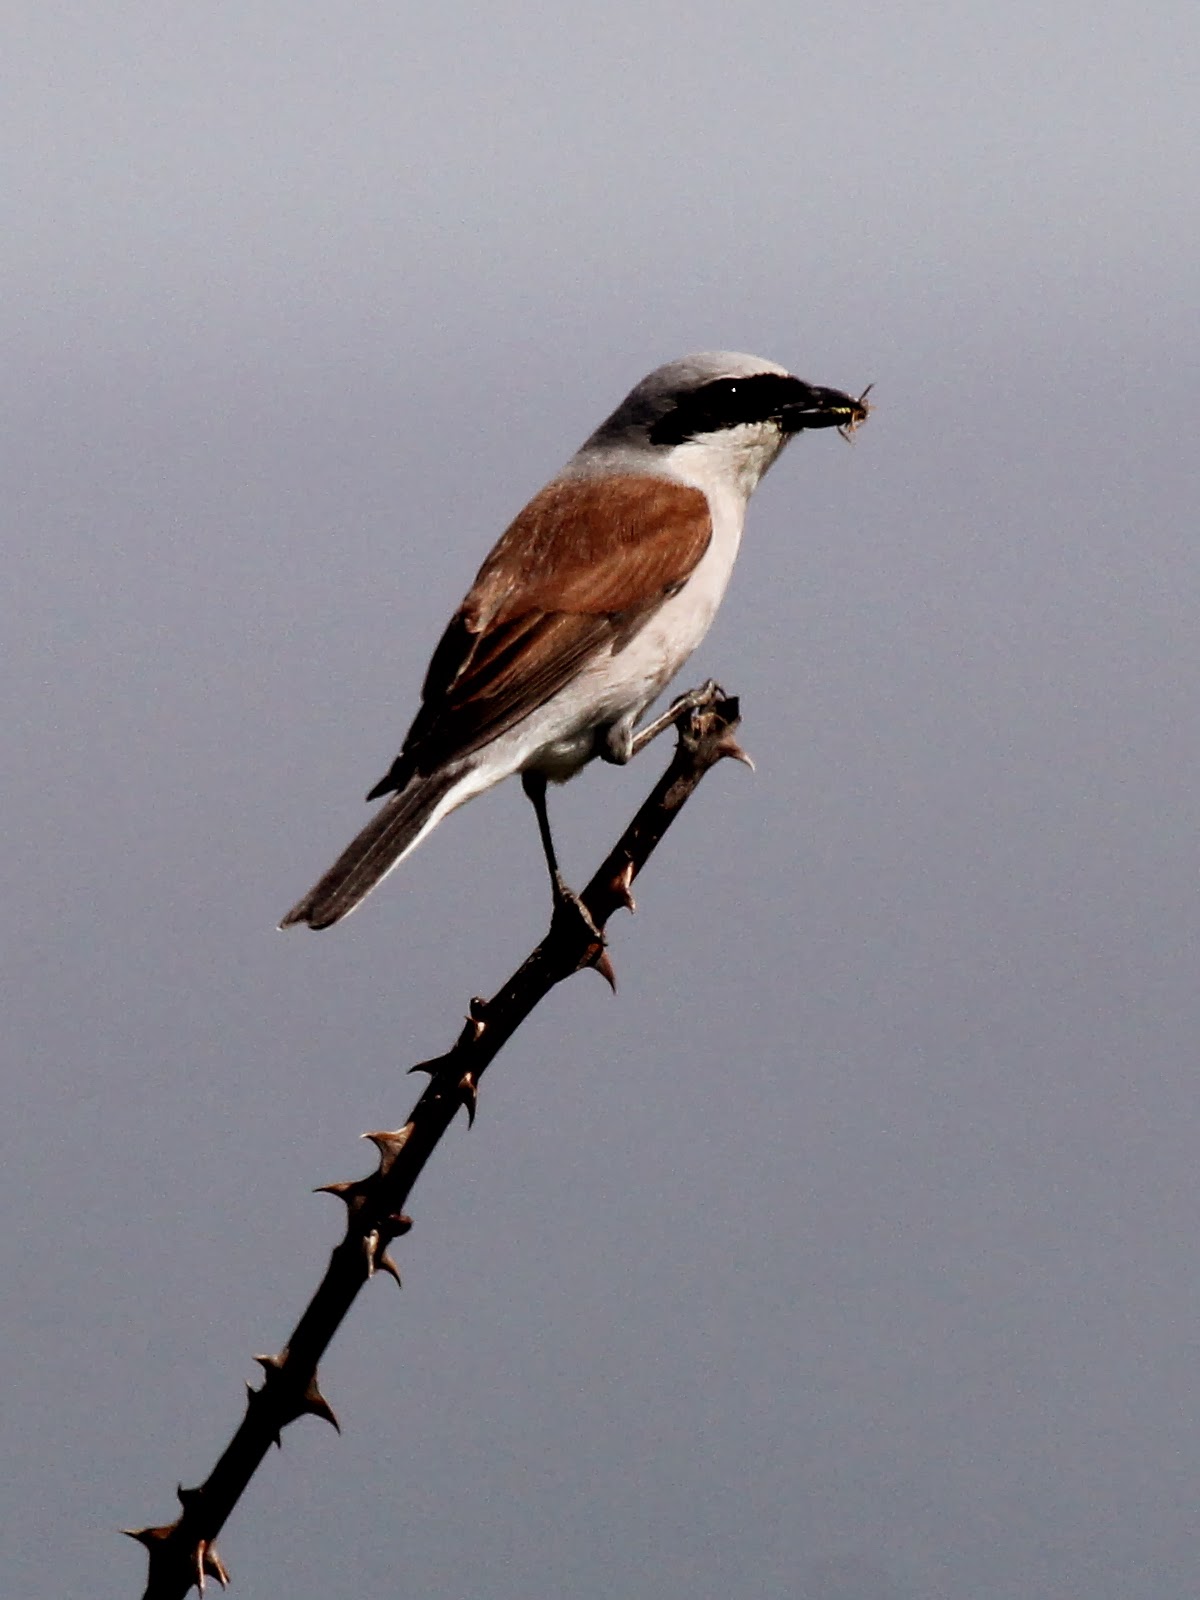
column 586, row 608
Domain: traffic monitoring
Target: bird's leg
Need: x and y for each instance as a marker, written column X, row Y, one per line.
column 693, row 700
column 566, row 901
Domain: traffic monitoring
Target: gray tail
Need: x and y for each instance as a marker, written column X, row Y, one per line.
column 391, row 833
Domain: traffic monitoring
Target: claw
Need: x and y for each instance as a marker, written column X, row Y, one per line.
column 572, row 920
column 569, row 908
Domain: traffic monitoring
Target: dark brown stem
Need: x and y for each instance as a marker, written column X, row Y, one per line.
column 182, row 1553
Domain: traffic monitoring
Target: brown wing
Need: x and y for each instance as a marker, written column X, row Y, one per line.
column 576, row 571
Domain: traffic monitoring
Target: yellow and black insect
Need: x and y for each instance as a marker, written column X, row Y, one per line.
column 856, row 415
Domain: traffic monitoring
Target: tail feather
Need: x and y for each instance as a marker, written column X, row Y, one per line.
column 391, row 833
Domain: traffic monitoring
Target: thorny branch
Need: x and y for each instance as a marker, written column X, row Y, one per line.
column 182, row 1554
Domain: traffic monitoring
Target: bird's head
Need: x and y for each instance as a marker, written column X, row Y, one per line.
column 721, row 415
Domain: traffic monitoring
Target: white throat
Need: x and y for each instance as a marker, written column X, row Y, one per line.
column 732, row 461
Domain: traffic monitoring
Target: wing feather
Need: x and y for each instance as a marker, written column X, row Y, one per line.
column 583, row 564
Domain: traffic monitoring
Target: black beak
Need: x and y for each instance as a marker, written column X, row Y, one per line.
column 824, row 408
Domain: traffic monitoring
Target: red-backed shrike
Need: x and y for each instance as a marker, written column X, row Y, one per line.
column 588, row 606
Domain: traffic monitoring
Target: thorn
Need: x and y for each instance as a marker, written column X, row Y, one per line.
column 253, row 1394
column 604, row 967
column 338, row 1189
column 621, row 887
column 316, row 1405
column 151, row 1536
column 477, row 1015
column 352, row 1194
column 728, row 749
column 209, row 1564
column 375, row 1244
column 187, row 1497
column 203, row 1562
column 432, row 1066
column 270, row 1365
column 468, row 1094
column 312, row 1401
column 389, row 1144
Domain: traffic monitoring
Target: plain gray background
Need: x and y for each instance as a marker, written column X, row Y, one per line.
column 852, row 1252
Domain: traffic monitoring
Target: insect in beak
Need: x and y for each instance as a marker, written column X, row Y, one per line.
column 857, row 415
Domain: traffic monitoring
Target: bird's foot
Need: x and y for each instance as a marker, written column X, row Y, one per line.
column 573, row 920
column 569, row 910
column 692, row 700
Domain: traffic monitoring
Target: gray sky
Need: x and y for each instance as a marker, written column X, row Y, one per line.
column 856, row 1256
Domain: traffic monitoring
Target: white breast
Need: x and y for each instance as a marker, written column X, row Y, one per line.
column 618, row 685
column 661, row 647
